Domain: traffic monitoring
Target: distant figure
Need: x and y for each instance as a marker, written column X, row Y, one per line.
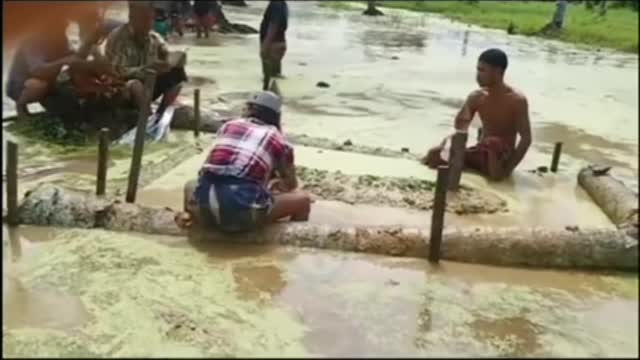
column 273, row 43
column 560, row 13
column 204, row 11
column 504, row 113
column 180, row 10
column 235, row 191
column 133, row 47
column 161, row 24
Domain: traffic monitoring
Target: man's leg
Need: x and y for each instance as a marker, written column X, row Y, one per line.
column 278, row 52
column 34, row 90
column 168, row 85
column 295, row 204
column 136, row 90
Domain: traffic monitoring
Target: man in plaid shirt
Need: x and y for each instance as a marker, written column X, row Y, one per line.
column 232, row 193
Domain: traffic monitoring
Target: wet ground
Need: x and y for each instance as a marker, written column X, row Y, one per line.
column 196, row 299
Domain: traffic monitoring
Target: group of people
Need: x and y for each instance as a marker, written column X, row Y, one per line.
column 249, row 178
column 173, row 15
column 109, row 65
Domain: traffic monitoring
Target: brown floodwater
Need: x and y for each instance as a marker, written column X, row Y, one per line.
column 188, row 298
column 277, row 300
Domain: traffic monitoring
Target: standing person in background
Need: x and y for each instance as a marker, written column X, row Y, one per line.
column 273, row 43
column 203, row 11
column 179, row 12
column 161, row 24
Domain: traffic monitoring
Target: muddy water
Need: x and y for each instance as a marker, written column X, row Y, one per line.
column 411, row 101
column 552, row 202
column 199, row 300
column 203, row 300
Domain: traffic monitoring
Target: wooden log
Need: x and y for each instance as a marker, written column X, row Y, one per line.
column 597, row 248
column 456, row 159
column 555, row 160
column 437, row 214
column 103, row 160
column 616, row 200
column 12, row 183
column 138, row 146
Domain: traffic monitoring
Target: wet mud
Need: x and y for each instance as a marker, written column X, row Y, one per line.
column 396, row 192
column 213, row 300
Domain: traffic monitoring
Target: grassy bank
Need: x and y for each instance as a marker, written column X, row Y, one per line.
column 617, row 30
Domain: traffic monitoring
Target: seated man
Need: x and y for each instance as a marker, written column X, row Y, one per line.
column 36, row 65
column 504, row 113
column 133, row 47
column 232, row 193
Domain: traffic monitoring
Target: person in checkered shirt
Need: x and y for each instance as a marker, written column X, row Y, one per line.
column 249, row 178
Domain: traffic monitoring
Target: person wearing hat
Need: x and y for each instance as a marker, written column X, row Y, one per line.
column 232, row 193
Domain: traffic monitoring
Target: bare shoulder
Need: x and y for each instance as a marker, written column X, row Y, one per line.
column 476, row 96
column 517, row 95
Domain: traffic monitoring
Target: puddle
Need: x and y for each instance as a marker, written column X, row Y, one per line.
column 32, row 306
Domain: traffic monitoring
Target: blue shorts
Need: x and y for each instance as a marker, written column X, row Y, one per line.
column 231, row 204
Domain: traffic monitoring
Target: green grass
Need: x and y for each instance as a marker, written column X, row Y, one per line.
column 617, row 30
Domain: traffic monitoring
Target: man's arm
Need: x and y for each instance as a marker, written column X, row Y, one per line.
column 287, row 171
column 116, row 56
column 523, row 127
column 465, row 115
column 40, row 68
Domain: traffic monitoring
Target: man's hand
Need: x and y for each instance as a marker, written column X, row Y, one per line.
column 161, row 66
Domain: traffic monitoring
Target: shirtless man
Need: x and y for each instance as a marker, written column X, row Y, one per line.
column 504, row 113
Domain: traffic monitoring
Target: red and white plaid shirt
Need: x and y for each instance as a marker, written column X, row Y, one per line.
column 248, row 149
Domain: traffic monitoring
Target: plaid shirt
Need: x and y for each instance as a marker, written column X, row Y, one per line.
column 130, row 58
column 249, row 149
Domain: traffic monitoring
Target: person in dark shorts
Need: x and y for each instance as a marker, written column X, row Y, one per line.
column 504, row 113
column 179, row 12
column 204, row 11
column 273, row 43
column 232, row 193
column 133, row 47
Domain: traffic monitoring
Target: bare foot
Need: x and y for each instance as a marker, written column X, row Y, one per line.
column 183, row 220
column 23, row 111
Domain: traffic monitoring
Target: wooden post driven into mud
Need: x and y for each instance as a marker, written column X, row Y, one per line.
column 557, row 150
column 12, row 183
column 456, row 159
column 138, row 146
column 103, row 159
column 196, row 112
column 437, row 214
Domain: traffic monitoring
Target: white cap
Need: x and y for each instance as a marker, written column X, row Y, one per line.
column 267, row 99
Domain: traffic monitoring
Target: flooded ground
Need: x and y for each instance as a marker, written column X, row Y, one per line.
column 193, row 299
column 204, row 300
